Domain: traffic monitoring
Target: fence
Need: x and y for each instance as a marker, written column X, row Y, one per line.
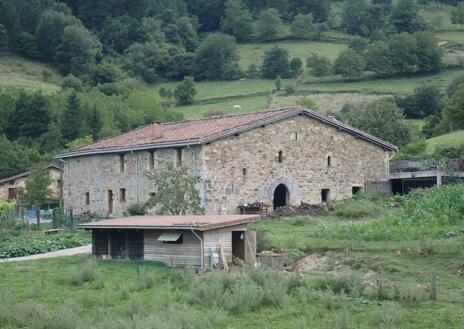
column 382, row 188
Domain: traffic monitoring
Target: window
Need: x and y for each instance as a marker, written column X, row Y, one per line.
column 325, row 194
column 329, row 161
column 110, row 202
column 244, row 171
column 11, row 182
column 121, row 163
column 58, row 182
column 11, row 193
column 87, row 198
column 171, row 238
column 355, row 190
column 152, row 195
column 178, row 157
column 151, row 159
column 122, row 195
column 280, row 158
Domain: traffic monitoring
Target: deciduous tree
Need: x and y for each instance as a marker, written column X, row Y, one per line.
column 185, row 91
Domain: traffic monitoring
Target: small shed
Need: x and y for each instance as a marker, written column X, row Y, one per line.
column 174, row 240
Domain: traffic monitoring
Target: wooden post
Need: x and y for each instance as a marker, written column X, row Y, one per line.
column 109, row 244
column 433, row 291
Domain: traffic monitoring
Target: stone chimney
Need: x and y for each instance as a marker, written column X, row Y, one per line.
column 157, row 130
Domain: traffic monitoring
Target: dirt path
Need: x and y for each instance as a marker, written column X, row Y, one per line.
column 87, row 249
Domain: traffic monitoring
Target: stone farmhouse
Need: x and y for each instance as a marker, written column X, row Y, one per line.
column 10, row 185
column 286, row 156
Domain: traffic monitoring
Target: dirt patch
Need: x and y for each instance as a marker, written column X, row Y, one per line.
column 303, row 209
column 311, row 263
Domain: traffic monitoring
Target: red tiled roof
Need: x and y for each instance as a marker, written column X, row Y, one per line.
column 207, row 130
column 196, row 222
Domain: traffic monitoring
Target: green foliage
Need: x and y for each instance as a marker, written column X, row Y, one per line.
column 302, row 27
column 37, row 189
column 147, row 60
column 74, row 124
column 426, row 101
column 185, row 91
column 357, row 207
column 72, row 82
column 269, row 25
column 78, row 51
column 380, row 118
column 278, row 83
column 30, row 244
column 175, row 190
column 3, row 37
column 276, row 63
column 453, row 113
column 79, row 142
column 216, row 57
column 320, row 65
column 435, row 206
column 6, row 212
column 457, row 15
column 349, row 64
column 361, row 17
column 295, row 67
column 137, row 209
column 237, row 20
column 88, row 272
column 31, row 116
column 405, row 17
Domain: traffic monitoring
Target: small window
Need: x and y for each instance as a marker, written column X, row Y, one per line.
column 355, row 190
column 325, row 194
column 122, row 195
column 329, row 161
column 110, row 202
column 244, row 171
column 11, row 193
column 87, row 198
column 178, row 157
column 11, row 182
column 152, row 195
column 151, row 159
column 178, row 241
column 58, row 182
column 281, row 157
column 121, row 163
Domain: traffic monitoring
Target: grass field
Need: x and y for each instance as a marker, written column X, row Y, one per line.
column 455, row 138
column 19, row 72
column 253, row 53
column 455, row 36
column 354, row 275
column 438, row 16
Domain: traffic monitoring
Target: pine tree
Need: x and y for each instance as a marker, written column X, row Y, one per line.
column 73, row 123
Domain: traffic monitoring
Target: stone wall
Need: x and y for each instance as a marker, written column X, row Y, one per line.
column 237, row 170
column 246, row 168
column 98, row 174
column 17, row 183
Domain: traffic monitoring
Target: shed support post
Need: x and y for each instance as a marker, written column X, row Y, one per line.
column 439, row 179
column 109, row 244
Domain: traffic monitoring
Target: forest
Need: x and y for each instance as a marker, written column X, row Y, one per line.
column 107, row 55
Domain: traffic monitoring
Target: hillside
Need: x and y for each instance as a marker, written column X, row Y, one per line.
column 20, row 72
column 455, row 138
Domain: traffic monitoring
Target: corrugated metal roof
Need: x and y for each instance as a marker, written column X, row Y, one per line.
column 196, row 222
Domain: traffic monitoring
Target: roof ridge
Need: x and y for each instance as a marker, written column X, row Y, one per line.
column 231, row 116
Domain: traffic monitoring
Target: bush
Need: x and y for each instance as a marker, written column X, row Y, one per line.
column 357, row 207
column 435, row 206
column 87, row 272
column 263, row 241
column 351, row 284
column 137, row 209
column 409, row 294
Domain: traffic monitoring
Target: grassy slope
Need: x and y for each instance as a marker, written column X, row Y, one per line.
column 114, row 297
column 455, row 138
column 253, row 53
column 20, row 72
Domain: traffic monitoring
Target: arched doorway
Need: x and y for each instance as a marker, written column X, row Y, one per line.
column 280, row 196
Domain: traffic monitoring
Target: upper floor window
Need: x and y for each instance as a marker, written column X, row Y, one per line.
column 122, row 195
column 151, row 159
column 87, row 198
column 122, row 163
column 329, row 161
column 280, row 157
column 178, row 157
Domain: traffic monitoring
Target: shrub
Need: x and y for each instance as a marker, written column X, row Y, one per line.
column 244, row 296
column 134, row 307
column 86, row 272
column 263, row 240
column 356, row 208
column 330, row 300
column 435, row 206
column 350, row 284
column 137, row 209
column 409, row 294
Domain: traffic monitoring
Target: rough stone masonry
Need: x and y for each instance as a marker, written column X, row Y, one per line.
column 288, row 157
